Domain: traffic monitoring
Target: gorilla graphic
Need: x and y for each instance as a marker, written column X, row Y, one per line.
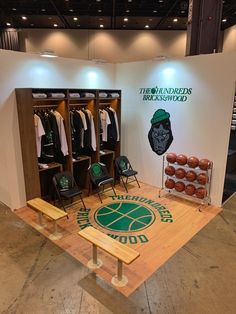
column 160, row 135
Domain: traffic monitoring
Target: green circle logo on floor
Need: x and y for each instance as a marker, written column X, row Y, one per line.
column 124, row 216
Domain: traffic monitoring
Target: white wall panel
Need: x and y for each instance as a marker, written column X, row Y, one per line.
column 29, row 70
column 200, row 126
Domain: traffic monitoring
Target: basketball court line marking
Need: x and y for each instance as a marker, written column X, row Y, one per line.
column 154, row 253
column 125, row 215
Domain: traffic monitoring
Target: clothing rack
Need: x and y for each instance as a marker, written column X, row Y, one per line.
column 75, row 106
column 104, row 103
column 45, row 106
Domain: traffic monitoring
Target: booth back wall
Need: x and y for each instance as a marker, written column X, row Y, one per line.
column 200, row 125
column 28, row 70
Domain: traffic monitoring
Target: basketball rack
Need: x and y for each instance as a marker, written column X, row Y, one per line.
column 201, row 201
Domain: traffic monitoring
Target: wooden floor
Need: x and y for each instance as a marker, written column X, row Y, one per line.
column 164, row 238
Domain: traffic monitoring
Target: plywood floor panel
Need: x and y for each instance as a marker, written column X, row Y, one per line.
column 165, row 239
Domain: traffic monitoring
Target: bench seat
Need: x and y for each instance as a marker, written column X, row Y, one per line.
column 123, row 253
column 51, row 211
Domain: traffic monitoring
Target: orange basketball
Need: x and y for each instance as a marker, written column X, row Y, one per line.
column 191, row 175
column 170, row 170
column 179, row 186
column 202, row 178
column 204, row 164
column 190, row 189
column 193, row 162
column 171, row 157
column 180, row 173
column 201, row 193
column 181, row 159
column 169, row 184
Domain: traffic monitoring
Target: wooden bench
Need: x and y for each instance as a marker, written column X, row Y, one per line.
column 122, row 252
column 54, row 213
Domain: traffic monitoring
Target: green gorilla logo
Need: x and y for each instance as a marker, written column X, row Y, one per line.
column 160, row 135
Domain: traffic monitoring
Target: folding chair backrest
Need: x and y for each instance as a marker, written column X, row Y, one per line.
column 64, row 180
column 97, row 172
column 122, row 164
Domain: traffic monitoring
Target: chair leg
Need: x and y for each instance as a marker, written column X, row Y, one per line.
column 124, row 184
column 114, row 191
column 61, row 201
column 82, row 201
column 137, row 181
column 99, row 195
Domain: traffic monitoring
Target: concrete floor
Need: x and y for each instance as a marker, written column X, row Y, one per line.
column 37, row 277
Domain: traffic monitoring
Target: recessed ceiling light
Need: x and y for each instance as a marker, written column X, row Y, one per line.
column 13, row 9
column 8, row 24
column 126, row 19
column 24, row 18
column 146, row 26
column 75, row 18
column 161, row 1
column 149, row 19
column 154, row 11
column 100, row 19
column 175, row 20
column 101, row 25
column 55, row 25
column 127, row 11
column 98, row 0
column 50, row 18
column 129, row 0
column 43, row 10
column 99, row 11
column 224, row 20
column 71, row 10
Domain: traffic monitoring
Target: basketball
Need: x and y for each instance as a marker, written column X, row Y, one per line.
column 191, row 175
column 193, row 162
column 204, row 164
column 181, row 159
column 170, row 170
column 201, row 193
column 180, row 173
column 171, row 158
column 190, row 189
column 179, row 186
column 169, row 184
column 202, row 178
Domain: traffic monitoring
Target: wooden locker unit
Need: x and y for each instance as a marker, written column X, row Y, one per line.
column 110, row 150
column 38, row 182
column 80, row 166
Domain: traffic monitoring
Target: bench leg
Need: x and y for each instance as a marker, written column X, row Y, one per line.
column 94, row 262
column 119, row 280
column 55, row 235
column 40, row 225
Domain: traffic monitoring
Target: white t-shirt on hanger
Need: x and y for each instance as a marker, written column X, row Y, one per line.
column 39, row 132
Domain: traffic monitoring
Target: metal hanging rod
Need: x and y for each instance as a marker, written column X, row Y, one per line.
column 45, row 106
column 79, row 104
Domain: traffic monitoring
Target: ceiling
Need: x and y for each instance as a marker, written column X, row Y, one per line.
column 92, row 14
